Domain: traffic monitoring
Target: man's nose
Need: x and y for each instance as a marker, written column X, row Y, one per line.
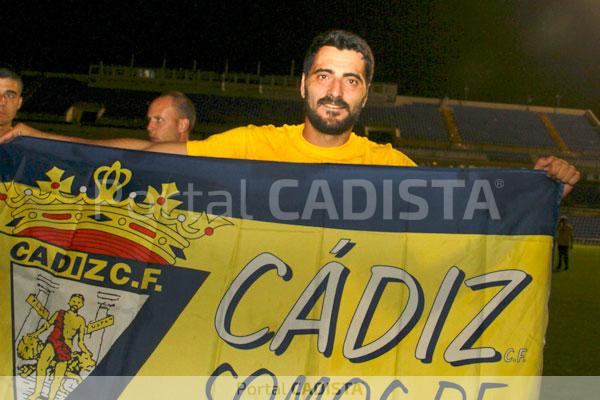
column 3, row 99
column 335, row 88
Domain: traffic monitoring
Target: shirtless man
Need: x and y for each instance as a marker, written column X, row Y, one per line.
column 59, row 345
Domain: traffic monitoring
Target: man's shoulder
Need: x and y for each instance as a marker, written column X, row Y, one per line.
column 384, row 152
column 264, row 130
column 243, row 141
column 368, row 143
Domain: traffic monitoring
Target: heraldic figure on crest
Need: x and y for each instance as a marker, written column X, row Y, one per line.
column 56, row 358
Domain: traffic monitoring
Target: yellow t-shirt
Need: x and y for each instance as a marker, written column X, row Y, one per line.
column 286, row 143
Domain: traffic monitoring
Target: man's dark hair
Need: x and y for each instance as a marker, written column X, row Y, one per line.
column 341, row 40
column 7, row 73
column 183, row 105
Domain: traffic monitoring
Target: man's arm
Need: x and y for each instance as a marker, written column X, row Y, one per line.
column 131, row 144
column 81, row 334
column 45, row 325
column 559, row 170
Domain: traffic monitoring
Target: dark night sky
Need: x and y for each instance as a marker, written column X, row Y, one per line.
column 502, row 50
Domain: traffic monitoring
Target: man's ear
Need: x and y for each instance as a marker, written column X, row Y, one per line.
column 20, row 102
column 302, row 88
column 364, row 102
column 183, row 125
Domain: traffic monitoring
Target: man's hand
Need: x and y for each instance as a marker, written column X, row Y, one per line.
column 559, row 170
column 19, row 129
column 9, row 135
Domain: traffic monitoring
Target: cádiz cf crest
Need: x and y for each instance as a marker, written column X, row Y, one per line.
column 89, row 271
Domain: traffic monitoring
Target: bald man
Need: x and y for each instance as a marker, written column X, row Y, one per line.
column 171, row 118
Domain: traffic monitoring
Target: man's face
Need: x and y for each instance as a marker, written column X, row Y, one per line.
column 164, row 122
column 75, row 303
column 10, row 101
column 335, row 90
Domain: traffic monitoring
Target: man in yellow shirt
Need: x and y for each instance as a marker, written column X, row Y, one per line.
column 337, row 72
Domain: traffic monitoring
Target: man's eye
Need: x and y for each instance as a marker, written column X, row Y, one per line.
column 352, row 82
column 10, row 95
column 322, row 76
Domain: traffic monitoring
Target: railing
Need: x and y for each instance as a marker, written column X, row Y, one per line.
column 211, row 82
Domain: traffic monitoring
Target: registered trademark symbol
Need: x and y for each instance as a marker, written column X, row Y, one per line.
column 499, row 183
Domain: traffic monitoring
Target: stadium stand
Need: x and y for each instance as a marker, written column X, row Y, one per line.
column 502, row 127
column 585, row 195
column 415, row 121
column 450, row 121
column 124, row 103
column 577, row 131
column 554, row 133
column 586, row 228
column 240, row 110
column 515, row 158
column 53, row 95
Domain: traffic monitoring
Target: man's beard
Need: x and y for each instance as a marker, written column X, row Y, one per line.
column 331, row 126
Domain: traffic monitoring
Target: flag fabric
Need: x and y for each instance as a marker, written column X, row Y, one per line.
column 128, row 274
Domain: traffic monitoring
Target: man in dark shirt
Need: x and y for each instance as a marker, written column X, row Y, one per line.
column 564, row 240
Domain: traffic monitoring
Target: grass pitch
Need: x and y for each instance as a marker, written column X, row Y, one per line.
column 573, row 336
